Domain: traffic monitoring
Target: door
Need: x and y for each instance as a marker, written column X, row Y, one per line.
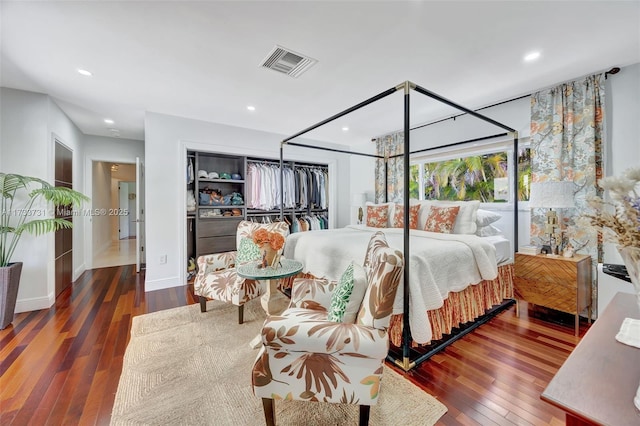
column 140, row 235
column 123, row 204
column 63, row 237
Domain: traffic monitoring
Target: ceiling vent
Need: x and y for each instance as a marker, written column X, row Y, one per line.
column 287, row 62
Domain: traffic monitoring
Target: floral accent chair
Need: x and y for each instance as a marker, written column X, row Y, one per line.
column 217, row 278
column 305, row 356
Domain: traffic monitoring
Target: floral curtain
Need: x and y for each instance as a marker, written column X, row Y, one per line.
column 567, row 128
column 390, row 145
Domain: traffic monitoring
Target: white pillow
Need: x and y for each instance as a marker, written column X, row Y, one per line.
column 465, row 221
column 488, row 231
column 360, row 285
column 486, row 217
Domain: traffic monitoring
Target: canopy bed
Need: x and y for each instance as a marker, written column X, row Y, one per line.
column 427, row 306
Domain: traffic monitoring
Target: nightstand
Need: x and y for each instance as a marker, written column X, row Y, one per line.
column 559, row 283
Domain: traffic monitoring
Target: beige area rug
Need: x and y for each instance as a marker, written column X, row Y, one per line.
column 187, row 367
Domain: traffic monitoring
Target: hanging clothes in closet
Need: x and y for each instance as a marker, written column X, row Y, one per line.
column 311, row 187
column 309, row 223
column 263, row 191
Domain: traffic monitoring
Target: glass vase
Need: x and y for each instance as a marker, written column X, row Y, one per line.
column 270, row 257
column 631, row 258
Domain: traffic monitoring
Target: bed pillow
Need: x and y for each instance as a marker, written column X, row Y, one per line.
column 248, row 251
column 360, row 285
column 347, row 296
column 398, row 216
column 488, row 231
column 465, row 221
column 486, row 217
column 442, row 219
column 378, row 215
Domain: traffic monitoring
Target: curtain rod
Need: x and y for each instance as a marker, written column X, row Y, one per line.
column 612, row 71
column 453, row 117
column 462, row 108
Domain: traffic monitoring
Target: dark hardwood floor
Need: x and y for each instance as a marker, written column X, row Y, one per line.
column 62, row 365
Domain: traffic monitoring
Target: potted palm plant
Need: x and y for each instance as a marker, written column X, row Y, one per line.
column 23, row 208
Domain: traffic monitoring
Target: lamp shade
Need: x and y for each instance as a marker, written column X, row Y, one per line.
column 558, row 195
column 358, row 199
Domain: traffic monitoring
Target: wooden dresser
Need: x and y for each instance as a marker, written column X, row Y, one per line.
column 559, row 283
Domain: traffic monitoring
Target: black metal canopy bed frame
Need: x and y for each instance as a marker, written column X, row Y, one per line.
column 405, row 361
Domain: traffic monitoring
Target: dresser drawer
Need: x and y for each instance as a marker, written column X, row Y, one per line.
column 209, row 245
column 218, row 227
column 548, row 293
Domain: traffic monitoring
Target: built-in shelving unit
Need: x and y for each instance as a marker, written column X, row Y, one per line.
column 211, row 225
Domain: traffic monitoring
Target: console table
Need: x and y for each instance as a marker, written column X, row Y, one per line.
column 598, row 381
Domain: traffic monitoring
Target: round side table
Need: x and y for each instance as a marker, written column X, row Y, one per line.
column 271, row 275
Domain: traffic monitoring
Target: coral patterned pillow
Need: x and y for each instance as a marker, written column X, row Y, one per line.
column 398, row 216
column 377, row 216
column 442, row 219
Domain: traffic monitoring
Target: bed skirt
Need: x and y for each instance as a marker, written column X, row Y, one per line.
column 462, row 307
column 459, row 308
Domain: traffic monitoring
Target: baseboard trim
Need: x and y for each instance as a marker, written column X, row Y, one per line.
column 152, row 285
column 35, row 304
column 79, row 271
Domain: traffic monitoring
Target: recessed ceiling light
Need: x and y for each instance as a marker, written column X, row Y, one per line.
column 251, row 108
column 531, row 56
column 84, row 72
column 345, row 128
column 108, row 121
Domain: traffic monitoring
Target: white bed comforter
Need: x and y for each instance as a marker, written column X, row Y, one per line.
column 440, row 264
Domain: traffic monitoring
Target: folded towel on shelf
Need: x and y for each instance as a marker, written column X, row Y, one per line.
column 629, row 333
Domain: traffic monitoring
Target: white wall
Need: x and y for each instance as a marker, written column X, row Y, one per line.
column 166, row 141
column 24, row 130
column 30, row 123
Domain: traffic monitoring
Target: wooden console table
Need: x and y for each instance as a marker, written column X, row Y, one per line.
column 598, row 381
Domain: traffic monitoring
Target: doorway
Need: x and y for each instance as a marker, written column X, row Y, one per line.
column 113, row 224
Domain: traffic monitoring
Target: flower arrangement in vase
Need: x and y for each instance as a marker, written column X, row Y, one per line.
column 619, row 221
column 619, row 217
column 270, row 243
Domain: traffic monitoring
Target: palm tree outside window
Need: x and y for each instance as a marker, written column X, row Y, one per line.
column 483, row 177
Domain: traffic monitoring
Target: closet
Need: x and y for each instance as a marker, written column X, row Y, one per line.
column 215, row 201
column 224, row 189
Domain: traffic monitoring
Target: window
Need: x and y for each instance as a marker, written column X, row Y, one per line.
column 475, row 176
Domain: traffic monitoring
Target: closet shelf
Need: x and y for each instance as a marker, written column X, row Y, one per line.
column 222, row 180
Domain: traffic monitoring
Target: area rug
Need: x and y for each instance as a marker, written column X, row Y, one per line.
column 186, row 367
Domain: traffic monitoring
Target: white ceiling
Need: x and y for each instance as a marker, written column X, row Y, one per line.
column 201, row 59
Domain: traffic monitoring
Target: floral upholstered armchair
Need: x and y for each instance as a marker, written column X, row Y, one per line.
column 307, row 354
column 217, row 279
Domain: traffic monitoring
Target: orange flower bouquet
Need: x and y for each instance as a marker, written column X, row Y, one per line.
column 270, row 243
